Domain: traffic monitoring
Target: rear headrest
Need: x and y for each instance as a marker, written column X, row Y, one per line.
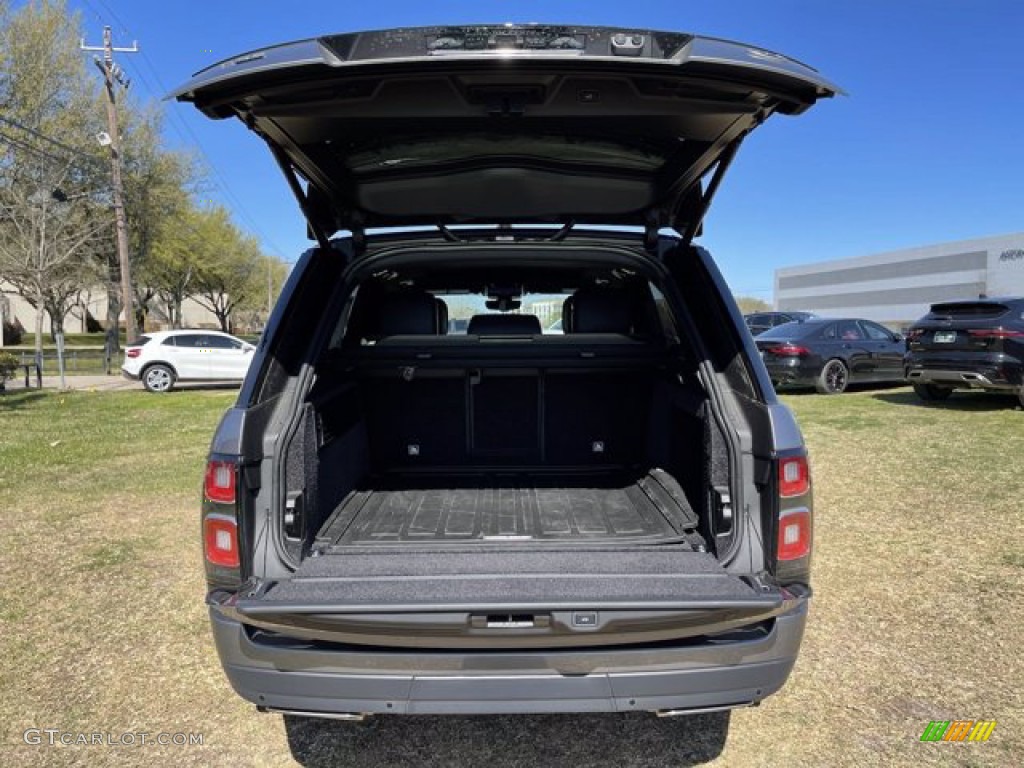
column 410, row 313
column 597, row 309
column 503, row 325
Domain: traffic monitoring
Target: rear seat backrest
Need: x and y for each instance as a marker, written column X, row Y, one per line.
column 503, row 325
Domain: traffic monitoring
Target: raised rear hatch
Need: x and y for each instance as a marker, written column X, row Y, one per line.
column 506, row 123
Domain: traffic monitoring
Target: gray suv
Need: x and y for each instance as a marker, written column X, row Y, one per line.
column 399, row 518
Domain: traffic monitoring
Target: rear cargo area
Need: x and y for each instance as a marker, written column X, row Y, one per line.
column 505, row 469
column 512, row 510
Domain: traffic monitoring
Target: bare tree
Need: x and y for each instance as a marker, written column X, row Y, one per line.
column 46, row 237
column 52, row 204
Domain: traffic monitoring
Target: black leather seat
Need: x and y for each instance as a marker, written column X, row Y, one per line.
column 503, row 325
column 598, row 309
column 410, row 313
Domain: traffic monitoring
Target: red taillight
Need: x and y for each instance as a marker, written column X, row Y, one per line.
column 914, row 334
column 994, row 333
column 220, row 482
column 220, row 535
column 788, row 350
column 133, row 352
column 794, row 476
column 794, row 534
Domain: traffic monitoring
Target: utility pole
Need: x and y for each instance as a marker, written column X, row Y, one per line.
column 113, row 74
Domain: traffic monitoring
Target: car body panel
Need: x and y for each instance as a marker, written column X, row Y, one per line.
column 190, row 355
column 559, row 124
column 304, row 677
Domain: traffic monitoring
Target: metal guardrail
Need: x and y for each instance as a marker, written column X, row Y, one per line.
column 75, row 359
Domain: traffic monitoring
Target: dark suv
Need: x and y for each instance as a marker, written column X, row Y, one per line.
column 612, row 517
column 975, row 344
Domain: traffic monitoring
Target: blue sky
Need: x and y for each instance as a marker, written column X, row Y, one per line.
column 926, row 148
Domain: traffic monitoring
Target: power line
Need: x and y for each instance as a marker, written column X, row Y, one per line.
column 20, row 144
column 50, row 140
column 181, row 127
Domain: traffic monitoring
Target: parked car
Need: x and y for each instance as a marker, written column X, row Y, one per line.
column 615, row 518
column 759, row 322
column 163, row 358
column 976, row 344
column 831, row 353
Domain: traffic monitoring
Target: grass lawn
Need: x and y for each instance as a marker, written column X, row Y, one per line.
column 918, row 611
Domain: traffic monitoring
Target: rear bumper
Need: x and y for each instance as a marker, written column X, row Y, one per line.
column 350, row 679
column 1002, row 374
column 792, row 372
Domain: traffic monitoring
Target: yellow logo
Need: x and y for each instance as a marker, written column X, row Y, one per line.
column 958, row 730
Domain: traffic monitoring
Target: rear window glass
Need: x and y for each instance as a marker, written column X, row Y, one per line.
column 546, row 307
column 785, row 331
column 140, row 341
column 970, row 309
column 532, row 302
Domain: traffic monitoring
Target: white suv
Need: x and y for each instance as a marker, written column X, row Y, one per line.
column 161, row 359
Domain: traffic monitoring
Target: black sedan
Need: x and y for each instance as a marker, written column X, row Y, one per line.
column 831, row 353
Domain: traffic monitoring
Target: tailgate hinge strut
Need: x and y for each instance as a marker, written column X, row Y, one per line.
column 724, row 160
column 303, row 199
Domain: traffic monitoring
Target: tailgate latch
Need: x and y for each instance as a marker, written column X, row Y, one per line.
column 723, row 510
column 510, row 621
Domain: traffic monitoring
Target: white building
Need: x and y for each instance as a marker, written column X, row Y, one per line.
column 15, row 309
column 897, row 288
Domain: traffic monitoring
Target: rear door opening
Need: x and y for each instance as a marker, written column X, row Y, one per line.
column 451, row 460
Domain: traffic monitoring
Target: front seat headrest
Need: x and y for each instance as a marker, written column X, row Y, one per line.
column 503, row 325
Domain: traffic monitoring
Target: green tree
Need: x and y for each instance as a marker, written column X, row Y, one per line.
column 226, row 262
column 749, row 304
column 266, row 280
column 52, row 188
column 157, row 183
